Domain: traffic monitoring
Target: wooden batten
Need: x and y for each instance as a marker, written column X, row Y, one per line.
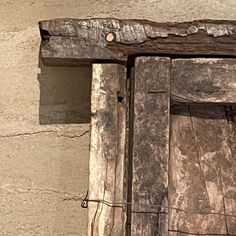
column 107, row 150
column 150, row 146
column 203, row 80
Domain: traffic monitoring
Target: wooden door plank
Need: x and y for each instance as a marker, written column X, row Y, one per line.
column 218, row 151
column 150, row 146
column 107, row 149
column 203, row 80
column 202, row 176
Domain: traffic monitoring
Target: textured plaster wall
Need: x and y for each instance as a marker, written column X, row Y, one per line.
column 44, row 112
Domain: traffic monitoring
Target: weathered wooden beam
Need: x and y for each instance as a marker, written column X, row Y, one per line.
column 203, row 80
column 202, row 179
column 150, row 146
column 107, row 151
column 75, row 41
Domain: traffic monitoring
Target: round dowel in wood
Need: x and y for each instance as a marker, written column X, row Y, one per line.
column 110, row 37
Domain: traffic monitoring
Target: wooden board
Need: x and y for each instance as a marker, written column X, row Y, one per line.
column 107, row 150
column 76, row 41
column 150, row 146
column 202, row 177
column 203, row 80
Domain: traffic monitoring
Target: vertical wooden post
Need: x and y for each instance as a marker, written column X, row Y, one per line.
column 107, row 149
column 150, row 146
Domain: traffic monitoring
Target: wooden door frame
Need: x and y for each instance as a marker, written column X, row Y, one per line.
column 111, row 45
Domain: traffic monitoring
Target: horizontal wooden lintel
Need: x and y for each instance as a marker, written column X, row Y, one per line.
column 72, row 42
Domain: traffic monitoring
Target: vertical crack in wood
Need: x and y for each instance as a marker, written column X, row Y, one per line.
column 223, row 202
column 230, row 117
column 198, row 156
column 130, row 150
column 115, row 190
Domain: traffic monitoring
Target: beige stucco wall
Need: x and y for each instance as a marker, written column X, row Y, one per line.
column 44, row 112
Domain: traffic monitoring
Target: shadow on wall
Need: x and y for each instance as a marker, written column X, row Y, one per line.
column 64, row 95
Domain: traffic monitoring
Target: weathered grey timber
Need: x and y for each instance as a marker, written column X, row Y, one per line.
column 75, row 41
column 150, row 146
column 106, row 164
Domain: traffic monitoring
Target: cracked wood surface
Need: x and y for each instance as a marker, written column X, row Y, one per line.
column 77, row 41
column 202, row 171
column 150, row 145
column 107, row 149
column 203, row 80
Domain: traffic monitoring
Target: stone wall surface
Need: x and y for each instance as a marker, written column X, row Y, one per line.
column 44, row 111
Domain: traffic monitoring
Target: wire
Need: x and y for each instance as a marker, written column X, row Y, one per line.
column 85, row 200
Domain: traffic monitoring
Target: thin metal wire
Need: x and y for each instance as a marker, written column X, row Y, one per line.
column 85, row 200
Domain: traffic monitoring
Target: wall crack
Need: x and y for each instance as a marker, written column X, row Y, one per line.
column 45, row 132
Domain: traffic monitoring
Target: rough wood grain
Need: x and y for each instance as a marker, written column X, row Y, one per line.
column 203, row 80
column 150, row 146
column 76, row 41
column 107, row 150
column 202, row 178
